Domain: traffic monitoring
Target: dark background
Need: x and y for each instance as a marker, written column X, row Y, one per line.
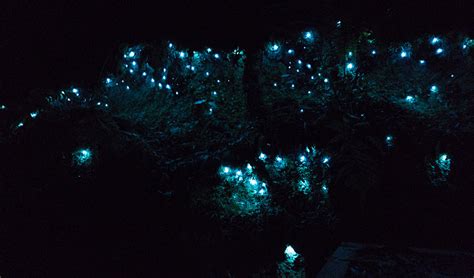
column 48, row 45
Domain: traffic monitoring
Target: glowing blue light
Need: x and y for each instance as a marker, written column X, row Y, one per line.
column 374, row 52
column 308, row 66
column 326, row 80
column 262, row 156
column 309, row 92
column 163, row 77
column 128, row 87
column 131, row 71
column 325, row 159
column 253, row 181
column 214, row 93
column 20, row 124
column 300, row 62
column 76, row 91
column 439, row 51
column 216, row 56
column 170, row 45
column 350, row 66
column 108, row 80
column 82, row 157
column 338, row 24
column 181, row 54
column 249, row 167
column 410, row 99
column 324, row 188
column 209, row 50
column 389, row 139
column 290, row 254
column 131, row 54
column 434, row 89
column 98, row 103
column 34, row 114
column 153, row 80
column 291, row 51
column 193, row 68
column 134, row 63
column 422, row 62
column 434, row 40
column 207, row 73
column 349, row 54
column 275, row 47
column 168, row 87
column 403, row 54
column 308, row 35
column 3, row 107
column 464, row 46
column 302, row 158
column 144, row 74
column 275, row 84
column 226, row 169
column 278, row 159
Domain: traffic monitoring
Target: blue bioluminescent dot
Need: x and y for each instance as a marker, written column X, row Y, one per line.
column 209, row 50
column 292, row 86
column 226, row 169
column 422, row 62
column 434, row 89
column 410, row 99
column 131, row 71
column 168, row 87
column 275, row 47
column 98, row 103
column 262, row 156
column 374, row 52
column 163, row 77
column 308, row 66
column 128, row 87
column 153, row 80
column 131, row 54
column 403, row 54
column 434, row 40
column 20, row 124
column 350, row 66
column 309, row 93
column 238, row 173
column 216, row 56
column 249, row 167
column 308, row 35
column 349, row 54
column 34, row 114
column 290, row 254
column 76, row 91
column 324, row 189
column 3, row 107
column 134, row 63
column 275, row 84
column 82, row 157
column 181, row 54
column 338, row 24
column 291, row 51
column 302, row 158
column 439, row 51
column 278, row 159
column 326, row 80
column 253, row 181
column 214, row 93
column 300, row 62
column 108, row 80
column 325, row 159
column 170, row 45
column 144, row 74
column 464, row 46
